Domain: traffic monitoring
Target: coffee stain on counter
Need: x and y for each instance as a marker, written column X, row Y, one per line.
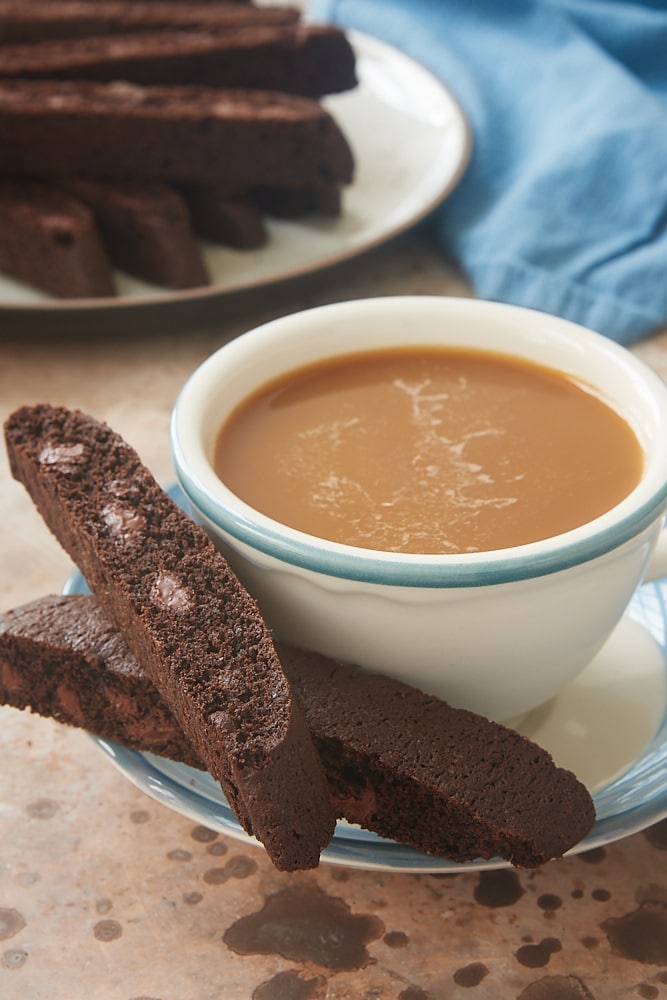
column 107, row 930
column 640, row 935
column 239, row 867
column 304, row 924
column 290, row 986
column 534, row 956
column 557, row 988
column 11, row 922
column 470, row 975
column 498, row 888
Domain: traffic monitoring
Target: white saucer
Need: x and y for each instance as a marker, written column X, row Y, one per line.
column 602, row 723
column 609, row 727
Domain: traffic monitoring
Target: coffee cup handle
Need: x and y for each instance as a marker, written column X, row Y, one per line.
column 657, row 567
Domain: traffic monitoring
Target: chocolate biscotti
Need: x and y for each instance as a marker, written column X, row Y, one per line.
column 236, row 218
column 312, row 60
column 398, row 762
column 146, row 228
column 121, row 130
column 187, row 620
column 230, row 218
column 445, row 780
column 62, row 658
column 50, row 240
column 293, row 203
column 43, row 20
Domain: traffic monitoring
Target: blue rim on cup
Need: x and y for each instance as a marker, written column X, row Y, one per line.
column 629, row 518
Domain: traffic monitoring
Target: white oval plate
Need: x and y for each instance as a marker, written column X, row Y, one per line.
column 411, row 144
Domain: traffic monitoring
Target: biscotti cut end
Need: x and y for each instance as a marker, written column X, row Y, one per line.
column 146, row 228
column 61, row 658
column 187, row 620
column 50, row 241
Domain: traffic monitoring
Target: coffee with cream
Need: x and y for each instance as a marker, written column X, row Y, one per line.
column 428, row 450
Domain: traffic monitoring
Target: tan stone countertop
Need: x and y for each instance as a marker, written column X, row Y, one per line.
column 107, row 895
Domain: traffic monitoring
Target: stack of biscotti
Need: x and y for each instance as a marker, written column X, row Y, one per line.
column 170, row 656
column 225, row 97
column 186, row 618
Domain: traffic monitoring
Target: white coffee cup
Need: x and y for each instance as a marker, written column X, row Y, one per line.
column 497, row 632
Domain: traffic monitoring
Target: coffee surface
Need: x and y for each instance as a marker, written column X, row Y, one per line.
column 428, row 450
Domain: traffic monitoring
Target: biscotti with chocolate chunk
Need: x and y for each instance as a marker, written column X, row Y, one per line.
column 43, row 20
column 398, row 762
column 62, row 658
column 50, row 241
column 122, row 130
column 312, row 60
column 445, row 780
column 187, row 620
column 146, row 228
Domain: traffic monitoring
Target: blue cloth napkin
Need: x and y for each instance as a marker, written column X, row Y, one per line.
column 564, row 205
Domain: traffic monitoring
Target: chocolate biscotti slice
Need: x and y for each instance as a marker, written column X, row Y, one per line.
column 230, row 218
column 447, row 781
column 189, row 133
column 146, row 228
column 61, row 658
column 294, row 203
column 398, row 762
column 312, row 60
column 50, row 240
column 186, row 618
column 236, row 218
column 43, row 20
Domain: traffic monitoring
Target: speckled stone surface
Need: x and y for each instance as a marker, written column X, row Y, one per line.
column 106, row 895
